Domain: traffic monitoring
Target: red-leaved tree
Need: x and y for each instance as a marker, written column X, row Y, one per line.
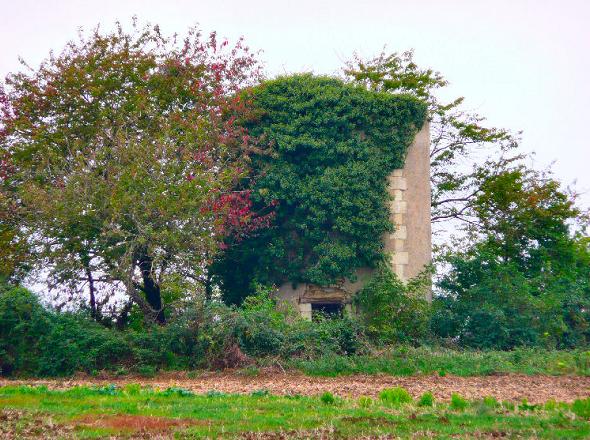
column 124, row 151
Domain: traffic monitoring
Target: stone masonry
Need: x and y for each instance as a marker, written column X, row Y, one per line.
column 410, row 246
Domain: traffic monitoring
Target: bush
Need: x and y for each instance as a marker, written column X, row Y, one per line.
column 458, row 403
column 393, row 312
column 34, row 340
column 328, row 398
column 427, row 399
column 395, row 396
column 23, row 322
column 490, row 402
column 38, row 341
column 581, row 408
column 263, row 326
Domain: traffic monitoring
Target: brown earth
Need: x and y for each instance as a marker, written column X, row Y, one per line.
column 512, row 387
column 132, row 423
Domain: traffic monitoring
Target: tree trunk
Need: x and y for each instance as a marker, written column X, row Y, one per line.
column 151, row 288
column 91, row 289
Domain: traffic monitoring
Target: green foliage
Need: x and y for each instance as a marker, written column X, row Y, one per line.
column 458, row 403
column 458, row 169
column 177, row 391
column 365, row 402
column 22, row 322
column 526, row 406
column 581, row 408
column 260, row 393
column 117, row 148
column 328, row 398
column 38, row 341
column 333, row 146
column 395, row 396
column 392, row 311
column 408, row 361
column 147, row 371
column 490, row 402
column 426, row 399
column 132, row 389
column 524, row 277
column 508, row 405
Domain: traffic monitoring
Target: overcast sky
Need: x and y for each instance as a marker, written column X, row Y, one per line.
column 522, row 64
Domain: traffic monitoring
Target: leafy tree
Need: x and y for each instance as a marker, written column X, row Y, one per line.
column 523, row 278
column 519, row 273
column 333, row 146
column 464, row 152
column 123, row 152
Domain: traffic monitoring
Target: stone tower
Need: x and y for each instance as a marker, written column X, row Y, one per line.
column 410, row 246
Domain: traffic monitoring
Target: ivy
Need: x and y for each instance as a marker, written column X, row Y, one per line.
column 332, row 147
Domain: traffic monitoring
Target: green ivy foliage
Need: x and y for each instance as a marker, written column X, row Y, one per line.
column 333, row 146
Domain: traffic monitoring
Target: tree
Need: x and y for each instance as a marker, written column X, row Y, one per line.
column 123, row 152
column 523, row 277
column 13, row 249
column 464, row 152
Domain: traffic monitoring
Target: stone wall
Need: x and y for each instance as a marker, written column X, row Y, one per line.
column 410, row 246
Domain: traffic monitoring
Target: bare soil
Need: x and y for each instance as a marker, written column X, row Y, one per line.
column 514, row 387
column 132, row 423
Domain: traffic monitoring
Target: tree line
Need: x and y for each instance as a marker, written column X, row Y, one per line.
column 140, row 173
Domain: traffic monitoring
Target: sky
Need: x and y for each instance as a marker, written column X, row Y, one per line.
column 522, row 64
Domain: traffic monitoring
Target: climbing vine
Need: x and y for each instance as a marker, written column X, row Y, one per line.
column 332, row 146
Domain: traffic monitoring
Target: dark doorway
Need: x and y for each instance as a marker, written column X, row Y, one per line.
column 326, row 309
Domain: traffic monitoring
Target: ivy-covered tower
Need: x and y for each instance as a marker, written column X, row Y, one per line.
column 409, row 247
column 346, row 177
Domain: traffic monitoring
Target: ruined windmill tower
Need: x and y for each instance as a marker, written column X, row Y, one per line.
column 410, row 246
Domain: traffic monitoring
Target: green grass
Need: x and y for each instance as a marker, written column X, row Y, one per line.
column 216, row 415
column 407, row 361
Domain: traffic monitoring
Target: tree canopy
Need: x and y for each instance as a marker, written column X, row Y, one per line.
column 523, row 275
column 120, row 156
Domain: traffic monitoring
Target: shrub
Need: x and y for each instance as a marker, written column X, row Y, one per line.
column 550, row 405
column 427, row 399
column 395, row 396
column 177, row 391
column 35, row 340
column 328, row 398
column 526, row 406
column 581, row 408
column 490, row 402
column 458, row 403
column 260, row 393
column 23, row 322
column 262, row 325
column 147, row 371
column 393, row 311
column 508, row 405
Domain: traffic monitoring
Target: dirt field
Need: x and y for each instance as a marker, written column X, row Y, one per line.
column 513, row 387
